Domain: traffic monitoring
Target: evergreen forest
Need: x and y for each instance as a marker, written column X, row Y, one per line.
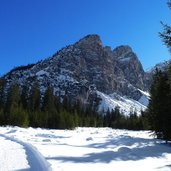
column 28, row 108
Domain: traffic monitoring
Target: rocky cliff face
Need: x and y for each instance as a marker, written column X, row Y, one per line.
column 82, row 69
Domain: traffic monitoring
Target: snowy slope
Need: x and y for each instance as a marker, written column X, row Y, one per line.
column 125, row 104
column 88, row 149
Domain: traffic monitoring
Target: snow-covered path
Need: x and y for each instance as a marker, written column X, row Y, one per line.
column 82, row 149
column 8, row 152
column 18, row 155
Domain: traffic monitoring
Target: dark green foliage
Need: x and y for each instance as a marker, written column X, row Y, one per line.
column 25, row 97
column 135, row 122
column 12, row 104
column 34, row 101
column 2, row 95
column 159, row 112
column 35, row 114
column 2, row 117
column 144, row 121
column 29, row 108
column 166, row 34
column 118, row 120
column 2, row 104
column 14, row 112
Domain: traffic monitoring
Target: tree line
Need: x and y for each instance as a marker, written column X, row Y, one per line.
column 27, row 107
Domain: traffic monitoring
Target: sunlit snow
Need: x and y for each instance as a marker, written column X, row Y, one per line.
column 88, row 149
column 125, row 104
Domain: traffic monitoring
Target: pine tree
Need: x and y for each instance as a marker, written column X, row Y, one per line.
column 14, row 110
column 34, row 100
column 166, row 38
column 34, row 106
column 2, row 102
column 158, row 108
column 12, row 104
column 167, row 114
column 48, row 107
column 2, row 95
column 25, row 96
column 166, row 34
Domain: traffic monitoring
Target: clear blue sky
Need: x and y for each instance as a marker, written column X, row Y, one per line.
column 31, row 30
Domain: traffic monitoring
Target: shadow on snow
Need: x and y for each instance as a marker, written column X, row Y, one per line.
column 128, row 148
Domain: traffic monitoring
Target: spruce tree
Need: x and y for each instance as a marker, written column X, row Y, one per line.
column 166, row 34
column 2, row 102
column 166, row 38
column 2, row 94
column 25, row 96
column 14, row 110
column 34, row 106
column 12, row 104
column 167, row 115
column 34, row 99
column 158, row 108
column 48, row 107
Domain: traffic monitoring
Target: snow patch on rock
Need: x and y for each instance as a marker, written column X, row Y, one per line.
column 125, row 104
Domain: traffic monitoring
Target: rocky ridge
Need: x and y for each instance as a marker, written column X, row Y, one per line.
column 85, row 68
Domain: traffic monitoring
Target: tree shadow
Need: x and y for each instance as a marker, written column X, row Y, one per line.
column 165, row 166
column 128, row 148
column 124, row 141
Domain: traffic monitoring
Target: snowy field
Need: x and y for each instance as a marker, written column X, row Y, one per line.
column 89, row 149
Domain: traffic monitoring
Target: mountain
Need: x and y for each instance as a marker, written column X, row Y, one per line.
column 160, row 66
column 89, row 72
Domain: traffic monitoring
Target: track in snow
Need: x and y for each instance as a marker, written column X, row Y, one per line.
column 35, row 160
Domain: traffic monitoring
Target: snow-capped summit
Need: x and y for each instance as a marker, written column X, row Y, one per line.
column 75, row 69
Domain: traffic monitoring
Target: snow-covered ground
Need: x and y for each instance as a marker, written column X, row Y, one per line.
column 88, row 149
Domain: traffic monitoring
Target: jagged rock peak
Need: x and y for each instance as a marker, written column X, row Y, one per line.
column 122, row 50
column 108, row 50
column 91, row 39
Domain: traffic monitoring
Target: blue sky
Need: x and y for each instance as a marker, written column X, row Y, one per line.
column 31, row 30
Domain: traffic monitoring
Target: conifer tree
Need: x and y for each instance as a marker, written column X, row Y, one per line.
column 48, row 107
column 166, row 38
column 158, row 108
column 2, row 117
column 2, row 102
column 25, row 96
column 166, row 34
column 34, row 101
column 14, row 110
column 167, row 114
column 2, row 95
column 12, row 104
column 34, row 106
